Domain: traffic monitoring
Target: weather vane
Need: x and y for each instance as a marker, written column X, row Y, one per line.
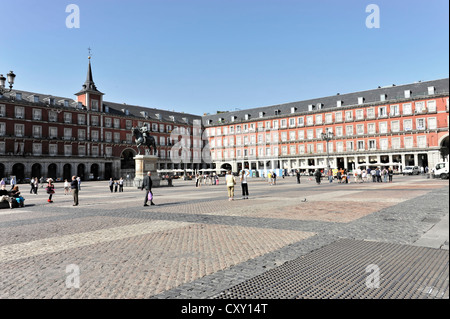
column 89, row 51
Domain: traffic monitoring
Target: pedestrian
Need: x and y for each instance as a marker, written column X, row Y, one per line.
column 2, row 182
column 79, row 182
column 36, row 185
column 374, row 175
column 385, row 174
column 66, row 187
column 244, row 184
column 318, row 176
column 50, row 190
column 74, row 188
column 330, row 175
column 116, row 186
column 390, row 174
column 32, row 185
column 111, row 184
column 147, row 185
column 121, row 185
column 378, row 175
column 298, row 176
column 339, row 175
column 13, row 182
column 230, row 181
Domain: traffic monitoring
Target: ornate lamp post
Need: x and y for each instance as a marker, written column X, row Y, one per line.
column 327, row 137
column 11, row 76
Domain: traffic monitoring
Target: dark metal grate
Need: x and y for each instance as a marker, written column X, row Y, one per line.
column 338, row 271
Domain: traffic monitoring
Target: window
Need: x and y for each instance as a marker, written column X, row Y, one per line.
column 94, row 136
column 349, row 116
column 371, row 128
column 116, row 137
column 319, row 119
column 338, row 116
column 116, row 123
column 309, row 120
column 301, row 135
column 37, row 131
column 81, row 119
column 108, row 151
column 361, row 146
column 319, row 132
column 37, row 149
column 283, row 123
column 421, row 141
column 284, row 150
column 420, row 124
column 128, row 124
column 395, row 110
column 372, row 145
column 371, row 113
column 94, row 121
column 407, row 110
column 384, row 144
column 395, row 143
column 431, row 106
column 395, row 126
column 108, row 122
column 407, row 125
column 81, row 135
column 350, row 146
column 19, row 112
column 292, row 122
column 108, row 137
column 2, row 110
column 292, row 135
column 319, row 147
column 283, row 136
column 328, row 118
column 359, row 114
column 408, row 140
column 301, row 121
column 310, row 148
column 67, row 118
column 81, row 150
column 2, row 148
column 94, row 105
column 310, row 134
column 52, row 116
column 349, row 130
column 275, row 124
column 420, row 107
column 382, row 111
column 2, row 129
column 68, row 150
column 94, row 151
column 37, row 114
column 360, row 129
column 339, row 147
column 53, row 149
column 19, row 130
column 339, row 131
column 432, row 123
column 383, row 127
column 53, row 132
column 67, row 133
column 301, row 149
column 292, row 150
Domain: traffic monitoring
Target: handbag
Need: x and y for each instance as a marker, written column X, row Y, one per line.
column 150, row 196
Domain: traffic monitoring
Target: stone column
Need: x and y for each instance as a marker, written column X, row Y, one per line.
column 144, row 164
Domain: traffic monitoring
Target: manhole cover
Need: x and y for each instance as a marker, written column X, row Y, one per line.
column 353, row 269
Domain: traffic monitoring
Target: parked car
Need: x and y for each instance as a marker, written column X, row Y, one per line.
column 411, row 170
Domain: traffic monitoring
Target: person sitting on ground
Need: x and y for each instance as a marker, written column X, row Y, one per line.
column 4, row 196
column 15, row 194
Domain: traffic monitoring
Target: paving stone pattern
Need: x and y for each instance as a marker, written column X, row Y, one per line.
column 195, row 243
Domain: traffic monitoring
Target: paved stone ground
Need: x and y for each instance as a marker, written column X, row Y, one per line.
column 195, row 243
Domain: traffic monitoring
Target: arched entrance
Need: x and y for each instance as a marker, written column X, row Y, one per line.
column 81, row 171
column 18, row 170
column 94, row 171
column 127, row 159
column 52, row 168
column 67, row 172
column 36, row 170
column 444, row 148
column 226, row 166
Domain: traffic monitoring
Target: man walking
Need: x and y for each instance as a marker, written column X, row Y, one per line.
column 74, row 187
column 147, row 185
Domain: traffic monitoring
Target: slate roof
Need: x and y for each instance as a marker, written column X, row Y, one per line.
column 393, row 93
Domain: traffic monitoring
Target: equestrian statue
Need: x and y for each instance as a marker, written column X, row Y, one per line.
column 142, row 137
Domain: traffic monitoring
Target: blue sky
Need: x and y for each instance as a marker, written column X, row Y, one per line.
column 201, row 56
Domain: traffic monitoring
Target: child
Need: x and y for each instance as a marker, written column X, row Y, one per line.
column 50, row 190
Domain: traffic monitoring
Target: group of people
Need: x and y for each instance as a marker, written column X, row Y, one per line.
column 231, row 182
column 115, row 185
column 73, row 187
column 12, row 196
column 272, row 178
column 206, row 180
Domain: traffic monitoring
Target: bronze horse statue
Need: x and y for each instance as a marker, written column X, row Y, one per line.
column 140, row 140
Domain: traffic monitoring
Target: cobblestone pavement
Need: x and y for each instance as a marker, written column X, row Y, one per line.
column 195, row 243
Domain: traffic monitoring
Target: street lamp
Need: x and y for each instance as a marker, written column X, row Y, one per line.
column 327, row 137
column 11, row 77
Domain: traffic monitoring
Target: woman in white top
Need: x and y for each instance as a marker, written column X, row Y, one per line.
column 244, row 184
column 66, row 187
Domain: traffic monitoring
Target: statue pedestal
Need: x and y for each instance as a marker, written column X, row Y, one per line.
column 144, row 164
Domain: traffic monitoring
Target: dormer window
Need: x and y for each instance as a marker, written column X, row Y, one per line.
column 293, row 109
column 247, row 117
column 261, row 114
column 35, row 98
column 18, row 96
column 233, row 118
column 431, row 90
column 361, row 100
column 80, row 105
column 277, row 112
column 144, row 114
column 158, row 116
column 339, row 103
column 311, row 107
column 66, row 103
column 383, row 97
column 319, row 106
column 407, row 94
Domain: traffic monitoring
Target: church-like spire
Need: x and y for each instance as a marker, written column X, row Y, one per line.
column 89, row 85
